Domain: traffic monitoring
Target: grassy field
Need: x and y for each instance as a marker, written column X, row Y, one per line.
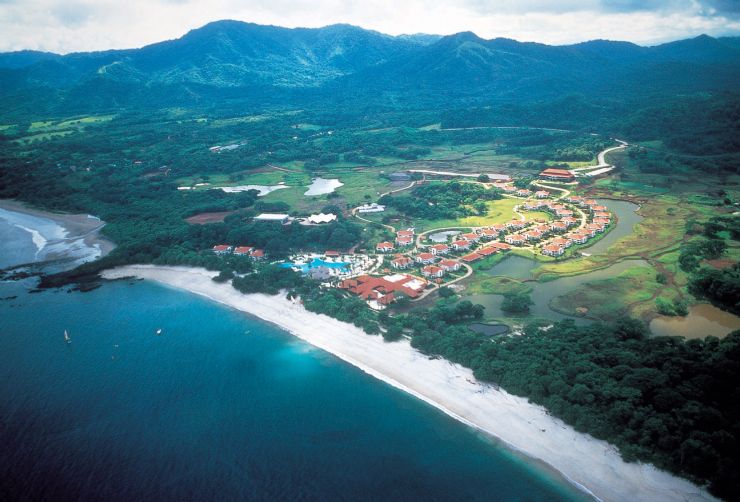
column 613, row 298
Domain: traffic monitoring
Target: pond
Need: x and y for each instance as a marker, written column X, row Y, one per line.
column 442, row 236
column 627, row 218
column 703, row 320
column 489, row 329
column 321, row 186
column 262, row 189
column 514, row 266
column 543, row 292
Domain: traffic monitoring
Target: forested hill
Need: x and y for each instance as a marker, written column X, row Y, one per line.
column 229, row 61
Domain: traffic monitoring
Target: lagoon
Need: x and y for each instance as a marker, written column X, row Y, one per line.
column 321, row 186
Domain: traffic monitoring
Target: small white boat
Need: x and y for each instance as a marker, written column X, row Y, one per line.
column 66, row 337
column 159, row 331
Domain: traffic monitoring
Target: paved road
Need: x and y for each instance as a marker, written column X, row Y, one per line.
column 601, row 157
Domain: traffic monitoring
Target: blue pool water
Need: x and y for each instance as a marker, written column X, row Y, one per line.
column 316, row 263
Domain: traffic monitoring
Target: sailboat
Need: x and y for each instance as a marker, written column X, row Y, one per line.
column 66, row 337
column 159, row 331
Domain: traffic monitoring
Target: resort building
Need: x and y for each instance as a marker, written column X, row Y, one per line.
column 602, row 214
column 273, row 218
column 515, row 239
column 602, row 221
column 243, row 250
column 590, row 202
column 439, row 249
column 384, row 247
column 432, row 271
column 450, row 265
column 320, row 218
column 376, row 288
column 570, row 221
column 542, row 194
column 461, row 245
column 371, row 208
column 472, row 237
column 405, row 233
column 425, row 258
column 562, row 213
column 595, row 227
column 557, row 175
column 575, row 199
column 599, row 209
column 257, row 254
column 402, row 262
column 523, row 192
column 499, row 228
column 553, row 250
column 222, row 249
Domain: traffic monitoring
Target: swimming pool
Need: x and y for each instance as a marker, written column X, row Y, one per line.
column 316, row 263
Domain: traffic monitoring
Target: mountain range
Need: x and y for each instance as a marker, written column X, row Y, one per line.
column 229, row 60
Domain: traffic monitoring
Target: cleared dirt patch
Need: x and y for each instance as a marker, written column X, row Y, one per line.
column 205, row 218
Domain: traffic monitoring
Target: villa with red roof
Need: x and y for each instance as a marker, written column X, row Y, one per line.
column 562, row 242
column 487, row 251
column 471, row 257
column 450, row 265
column 461, row 244
column 402, row 262
column 533, row 235
column 433, row 271
column 558, row 226
column 488, row 234
column 242, row 250
column 439, row 249
column 472, row 237
column 385, row 247
column 553, row 250
column 425, row 258
column 523, row 192
column 222, row 249
column 570, row 221
column 580, row 237
column 557, row 174
column 403, row 240
column 501, row 246
column 515, row 239
column 257, row 254
column 542, row 194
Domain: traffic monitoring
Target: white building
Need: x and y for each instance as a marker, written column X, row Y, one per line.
column 275, row 217
column 322, row 218
column 371, row 208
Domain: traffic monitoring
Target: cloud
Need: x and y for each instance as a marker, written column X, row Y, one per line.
column 82, row 25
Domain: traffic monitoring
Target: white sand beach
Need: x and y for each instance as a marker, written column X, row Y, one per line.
column 592, row 464
column 59, row 235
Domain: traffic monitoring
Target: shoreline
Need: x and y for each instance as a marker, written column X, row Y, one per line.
column 589, row 464
column 77, row 227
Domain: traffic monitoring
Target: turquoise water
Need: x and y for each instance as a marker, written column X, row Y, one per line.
column 219, row 407
column 316, row 263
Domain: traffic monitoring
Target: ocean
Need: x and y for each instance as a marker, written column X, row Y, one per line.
column 220, row 406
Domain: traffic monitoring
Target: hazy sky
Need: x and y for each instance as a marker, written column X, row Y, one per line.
column 82, row 25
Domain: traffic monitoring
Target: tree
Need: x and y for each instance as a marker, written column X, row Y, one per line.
column 516, row 303
column 484, row 178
